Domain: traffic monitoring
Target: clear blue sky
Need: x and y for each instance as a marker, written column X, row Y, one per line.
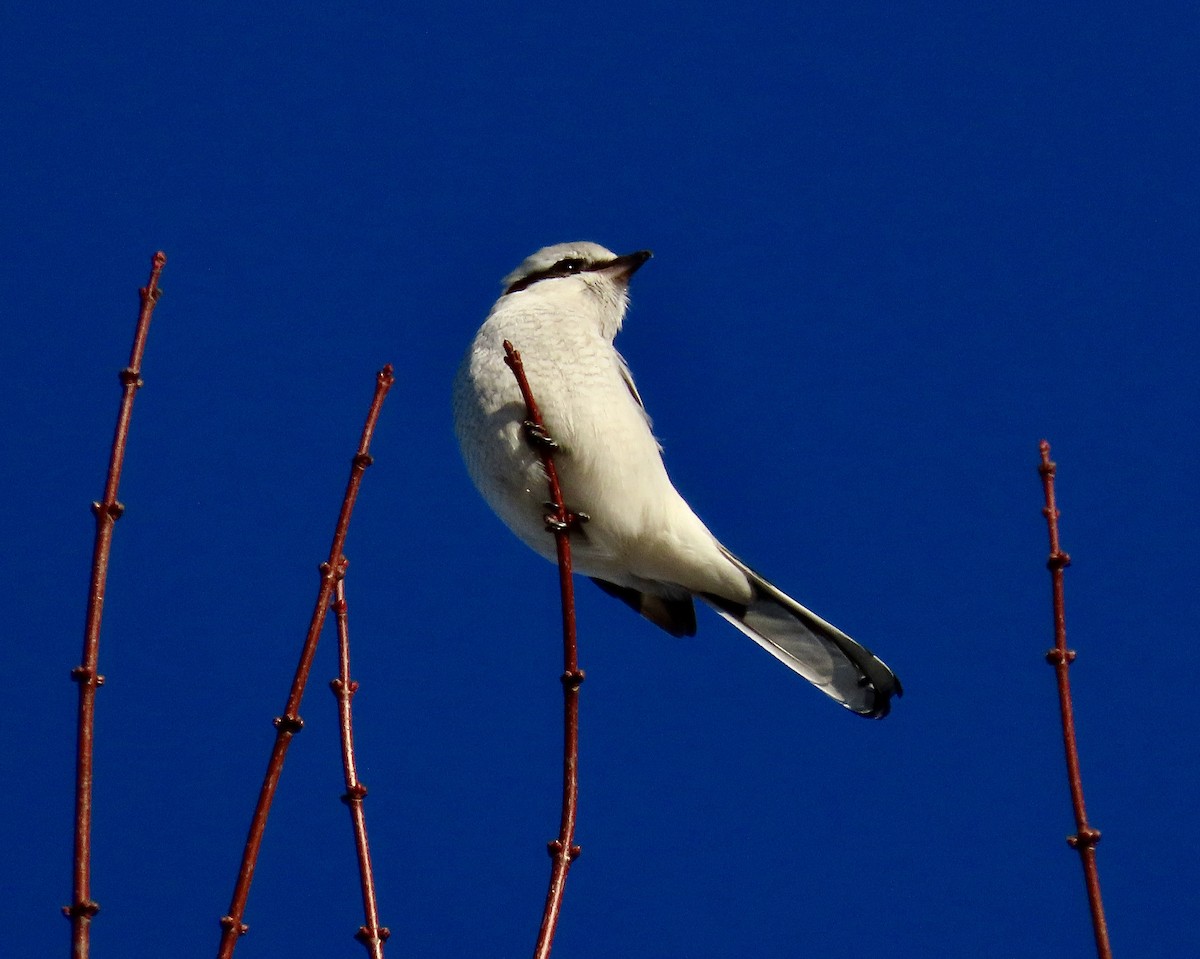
column 896, row 245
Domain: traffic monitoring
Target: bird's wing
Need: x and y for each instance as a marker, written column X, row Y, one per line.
column 676, row 616
column 627, row 377
column 818, row 651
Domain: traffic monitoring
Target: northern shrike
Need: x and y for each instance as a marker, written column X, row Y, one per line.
column 561, row 308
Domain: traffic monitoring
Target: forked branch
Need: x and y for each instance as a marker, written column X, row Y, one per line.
column 1085, row 838
column 290, row 723
column 560, row 521
column 107, row 511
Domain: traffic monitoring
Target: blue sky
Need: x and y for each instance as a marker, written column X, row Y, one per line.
column 894, row 248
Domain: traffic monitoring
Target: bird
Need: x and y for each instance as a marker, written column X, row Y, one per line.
column 640, row 541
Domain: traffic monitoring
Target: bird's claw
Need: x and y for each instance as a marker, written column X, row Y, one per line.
column 537, row 437
column 576, row 516
column 554, row 524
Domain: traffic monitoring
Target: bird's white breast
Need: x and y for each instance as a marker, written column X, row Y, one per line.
column 609, row 462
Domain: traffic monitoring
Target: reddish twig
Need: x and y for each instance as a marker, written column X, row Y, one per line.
column 560, row 521
column 372, row 935
column 87, row 674
column 290, row 723
column 1085, row 838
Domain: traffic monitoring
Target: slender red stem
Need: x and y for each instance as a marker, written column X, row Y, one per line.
column 372, row 935
column 1060, row 657
column 107, row 511
column 563, row 850
column 290, row 723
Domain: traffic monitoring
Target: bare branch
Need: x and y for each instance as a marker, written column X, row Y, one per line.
column 1085, row 838
column 372, row 935
column 290, row 723
column 560, row 522
column 83, row 908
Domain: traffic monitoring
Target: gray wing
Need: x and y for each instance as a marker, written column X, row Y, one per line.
column 623, row 369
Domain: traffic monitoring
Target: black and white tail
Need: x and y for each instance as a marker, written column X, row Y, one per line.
column 817, row 650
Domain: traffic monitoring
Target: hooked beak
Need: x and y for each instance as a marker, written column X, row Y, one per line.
column 623, row 267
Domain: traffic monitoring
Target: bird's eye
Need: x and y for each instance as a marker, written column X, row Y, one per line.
column 568, row 266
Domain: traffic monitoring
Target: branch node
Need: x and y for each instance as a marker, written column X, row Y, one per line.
column 333, row 571
column 1047, row 466
column 1060, row 657
column 81, row 910
column 114, row 509
column 1058, row 560
column 238, row 928
column 289, row 725
column 1086, row 838
column 572, row 679
column 129, row 376
column 354, row 793
column 556, row 846
column 367, row 935
column 87, row 676
column 363, row 459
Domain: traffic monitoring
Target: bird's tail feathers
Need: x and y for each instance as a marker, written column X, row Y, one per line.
column 820, row 652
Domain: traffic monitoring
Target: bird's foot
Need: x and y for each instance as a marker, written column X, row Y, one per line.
column 537, row 437
column 557, row 524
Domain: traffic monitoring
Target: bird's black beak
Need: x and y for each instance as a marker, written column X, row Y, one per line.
column 623, row 267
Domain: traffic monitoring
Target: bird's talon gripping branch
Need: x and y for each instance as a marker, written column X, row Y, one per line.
column 537, row 436
column 573, row 521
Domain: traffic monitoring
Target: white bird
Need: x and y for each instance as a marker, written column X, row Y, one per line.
column 641, row 542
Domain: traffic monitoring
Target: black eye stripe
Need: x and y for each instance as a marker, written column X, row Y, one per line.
column 568, row 266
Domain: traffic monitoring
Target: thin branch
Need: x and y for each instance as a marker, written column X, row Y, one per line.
column 560, row 522
column 290, row 723
column 372, row 935
column 83, row 908
column 1085, row 838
